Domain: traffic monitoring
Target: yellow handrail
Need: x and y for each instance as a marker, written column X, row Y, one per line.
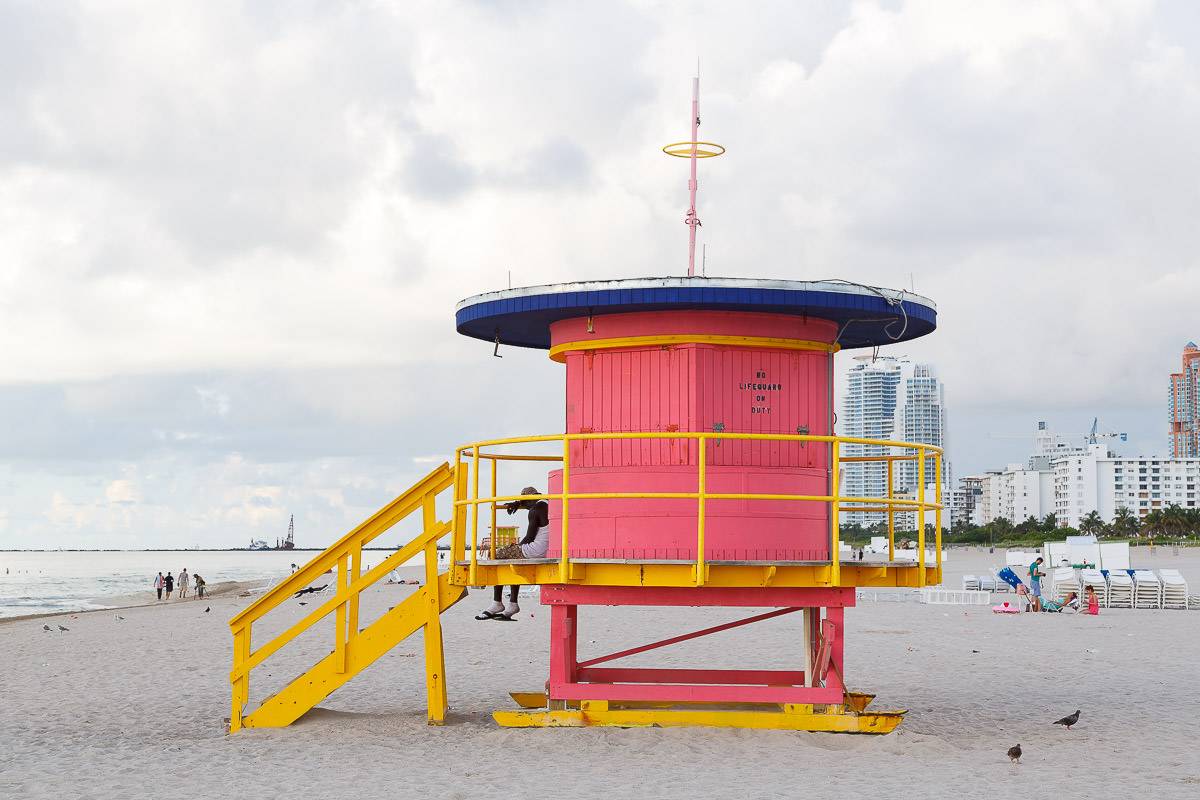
column 344, row 556
column 838, row 502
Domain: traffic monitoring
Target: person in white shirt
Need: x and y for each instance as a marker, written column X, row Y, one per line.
column 534, row 545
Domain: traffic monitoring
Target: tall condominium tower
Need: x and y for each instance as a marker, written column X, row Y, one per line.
column 1183, row 405
column 924, row 423
column 868, row 412
column 890, row 398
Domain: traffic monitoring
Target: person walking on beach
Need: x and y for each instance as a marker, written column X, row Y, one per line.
column 199, row 581
column 534, row 545
column 158, row 584
column 183, row 583
column 170, row 580
column 1035, row 583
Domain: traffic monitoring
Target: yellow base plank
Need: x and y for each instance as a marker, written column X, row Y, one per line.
column 834, row 720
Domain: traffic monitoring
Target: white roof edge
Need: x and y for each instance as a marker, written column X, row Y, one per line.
column 838, row 286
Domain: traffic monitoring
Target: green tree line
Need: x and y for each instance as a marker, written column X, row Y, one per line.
column 1171, row 522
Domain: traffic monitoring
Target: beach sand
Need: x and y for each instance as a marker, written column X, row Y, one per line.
column 136, row 707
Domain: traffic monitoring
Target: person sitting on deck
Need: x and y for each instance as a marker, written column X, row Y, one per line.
column 534, row 545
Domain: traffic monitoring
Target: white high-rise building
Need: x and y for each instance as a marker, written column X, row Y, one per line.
column 892, row 399
column 1102, row 482
column 924, row 417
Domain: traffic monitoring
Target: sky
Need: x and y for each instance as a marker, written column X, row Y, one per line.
column 232, row 234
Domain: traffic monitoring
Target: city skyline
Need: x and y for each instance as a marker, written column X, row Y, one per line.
column 233, row 235
column 891, row 398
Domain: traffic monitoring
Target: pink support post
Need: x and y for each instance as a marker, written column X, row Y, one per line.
column 563, row 643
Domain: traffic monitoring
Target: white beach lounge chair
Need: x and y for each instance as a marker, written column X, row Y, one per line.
column 1147, row 589
column 1095, row 579
column 1120, row 589
column 1001, row 584
column 1174, row 589
column 1062, row 583
column 970, row 583
column 987, row 583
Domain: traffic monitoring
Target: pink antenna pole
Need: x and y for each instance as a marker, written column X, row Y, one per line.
column 693, row 150
column 692, row 221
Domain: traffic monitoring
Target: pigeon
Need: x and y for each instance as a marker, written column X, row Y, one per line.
column 208, row 609
column 46, row 628
column 1068, row 721
column 303, row 603
column 61, row 629
column 311, row 589
column 1014, row 753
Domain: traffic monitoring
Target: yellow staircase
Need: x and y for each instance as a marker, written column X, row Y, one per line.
column 353, row 649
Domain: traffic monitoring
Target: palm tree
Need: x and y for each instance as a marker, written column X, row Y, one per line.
column 1152, row 523
column 1125, row 522
column 1092, row 523
column 1049, row 522
column 1175, row 521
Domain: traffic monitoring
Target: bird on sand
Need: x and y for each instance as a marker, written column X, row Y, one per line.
column 61, row 629
column 1068, row 721
column 118, row 617
column 47, row 628
column 1014, row 753
column 208, row 609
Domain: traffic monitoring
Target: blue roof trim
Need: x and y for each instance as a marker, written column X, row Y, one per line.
column 866, row 320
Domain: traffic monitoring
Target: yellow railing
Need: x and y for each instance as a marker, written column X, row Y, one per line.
column 346, row 557
column 471, row 455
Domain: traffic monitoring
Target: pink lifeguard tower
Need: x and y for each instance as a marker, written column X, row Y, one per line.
column 700, row 468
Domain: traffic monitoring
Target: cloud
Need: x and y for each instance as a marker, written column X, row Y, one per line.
column 232, row 235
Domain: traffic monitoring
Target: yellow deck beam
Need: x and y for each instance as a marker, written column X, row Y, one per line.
column 682, row 573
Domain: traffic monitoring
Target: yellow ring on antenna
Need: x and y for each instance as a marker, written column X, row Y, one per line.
column 687, row 151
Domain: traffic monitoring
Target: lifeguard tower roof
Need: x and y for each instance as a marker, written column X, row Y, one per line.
column 866, row 316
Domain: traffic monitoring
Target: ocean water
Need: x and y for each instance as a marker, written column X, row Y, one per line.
column 56, row 581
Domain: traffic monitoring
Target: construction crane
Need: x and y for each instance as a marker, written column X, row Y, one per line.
column 1043, row 432
column 1093, row 436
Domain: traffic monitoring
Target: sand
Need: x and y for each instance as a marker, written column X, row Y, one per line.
column 136, row 707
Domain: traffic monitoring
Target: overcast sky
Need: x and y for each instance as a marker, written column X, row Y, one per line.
column 232, row 234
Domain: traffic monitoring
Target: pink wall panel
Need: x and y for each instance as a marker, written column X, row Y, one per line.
column 697, row 386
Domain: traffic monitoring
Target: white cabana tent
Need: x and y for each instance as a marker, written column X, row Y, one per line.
column 1083, row 550
column 1114, row 555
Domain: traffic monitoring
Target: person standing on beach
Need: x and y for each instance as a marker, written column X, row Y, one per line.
column 170, row 580
column 1035, row 583
column 183, row 583
column 158, row 584
column 199, row 581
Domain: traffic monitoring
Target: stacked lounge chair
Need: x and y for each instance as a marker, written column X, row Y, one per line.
column 1147, row 589
column 1174, row 589
column 987, row 582
column 1062, row 583
column 970, row 583
column 1120, row 589
column 1001, row 584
